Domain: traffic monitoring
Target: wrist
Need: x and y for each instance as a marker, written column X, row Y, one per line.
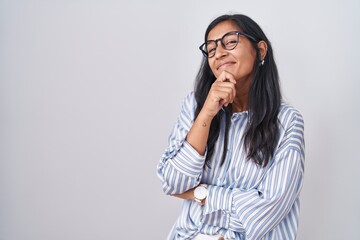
column 200, row 194
column 204, row 118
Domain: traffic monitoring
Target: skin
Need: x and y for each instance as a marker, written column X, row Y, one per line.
column 233, row 70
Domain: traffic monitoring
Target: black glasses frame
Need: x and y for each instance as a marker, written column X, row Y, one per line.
column 238, row 33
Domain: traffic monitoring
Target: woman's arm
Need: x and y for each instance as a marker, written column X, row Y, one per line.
column 181, row 165
column 222, row 93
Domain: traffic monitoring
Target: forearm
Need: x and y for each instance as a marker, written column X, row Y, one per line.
column 188, row 195
column 199, row 133
column 221, row 94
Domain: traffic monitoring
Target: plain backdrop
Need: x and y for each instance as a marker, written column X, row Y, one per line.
column 89, row 91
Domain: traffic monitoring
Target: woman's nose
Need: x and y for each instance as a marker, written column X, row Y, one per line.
column 220, row 51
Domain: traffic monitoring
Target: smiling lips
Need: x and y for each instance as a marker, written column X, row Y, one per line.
column 225, row 64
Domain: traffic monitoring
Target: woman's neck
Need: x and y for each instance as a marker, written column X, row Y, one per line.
column 239, row 105
column 240, row 102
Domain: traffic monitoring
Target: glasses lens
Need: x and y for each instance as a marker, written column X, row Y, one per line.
column 230, row 41
column 210, row 48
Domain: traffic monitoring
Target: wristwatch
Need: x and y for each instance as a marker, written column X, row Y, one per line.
column 200, row 193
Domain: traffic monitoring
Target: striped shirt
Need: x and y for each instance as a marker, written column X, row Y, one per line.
column 245, row 201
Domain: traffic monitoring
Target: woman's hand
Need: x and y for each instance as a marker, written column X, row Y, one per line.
column 188, row 195
column 222, row 92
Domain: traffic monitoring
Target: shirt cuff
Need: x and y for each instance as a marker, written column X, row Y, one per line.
column 219, row 198
column 189, row 161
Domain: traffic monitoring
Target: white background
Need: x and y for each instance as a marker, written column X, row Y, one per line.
column 89, row 91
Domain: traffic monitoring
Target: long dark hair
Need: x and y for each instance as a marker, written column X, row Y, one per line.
column 264, row 98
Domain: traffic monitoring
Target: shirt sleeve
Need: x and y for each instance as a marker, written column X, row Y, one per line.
column 181, row 166
column 255, row 212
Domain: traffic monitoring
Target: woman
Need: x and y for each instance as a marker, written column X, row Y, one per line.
column 236, row 153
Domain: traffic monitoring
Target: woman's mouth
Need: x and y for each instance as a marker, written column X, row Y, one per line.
column 224, row 65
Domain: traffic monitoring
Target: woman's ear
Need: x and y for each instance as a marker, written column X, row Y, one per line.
column 262, row 45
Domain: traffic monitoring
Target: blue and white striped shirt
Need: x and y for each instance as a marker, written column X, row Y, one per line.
column 245, row 201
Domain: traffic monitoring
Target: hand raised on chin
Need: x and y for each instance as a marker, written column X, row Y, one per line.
column 222, row 92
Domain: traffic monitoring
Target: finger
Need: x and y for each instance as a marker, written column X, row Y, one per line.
column 227, row 87
column 225, row 83
column 231, row 80
column 225, row 93
column 226, row 77
column 223, row 96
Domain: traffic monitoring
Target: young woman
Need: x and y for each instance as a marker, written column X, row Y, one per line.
column 236, row 153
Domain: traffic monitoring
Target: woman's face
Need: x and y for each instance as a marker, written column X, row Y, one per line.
column 238, row 61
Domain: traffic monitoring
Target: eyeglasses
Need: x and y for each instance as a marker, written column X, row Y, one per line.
column 229, row 41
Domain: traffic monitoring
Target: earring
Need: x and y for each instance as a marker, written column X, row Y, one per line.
column 262, row 62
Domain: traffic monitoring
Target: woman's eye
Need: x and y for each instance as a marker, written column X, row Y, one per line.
column 231, row 42
column 211, row 50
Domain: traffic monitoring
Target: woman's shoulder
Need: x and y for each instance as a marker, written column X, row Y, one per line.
column 289, row 115
column 286, row 108
column 188, row 105
column 190, row 97
column 189, row 100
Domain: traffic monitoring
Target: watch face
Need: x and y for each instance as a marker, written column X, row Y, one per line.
column 200, row 192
